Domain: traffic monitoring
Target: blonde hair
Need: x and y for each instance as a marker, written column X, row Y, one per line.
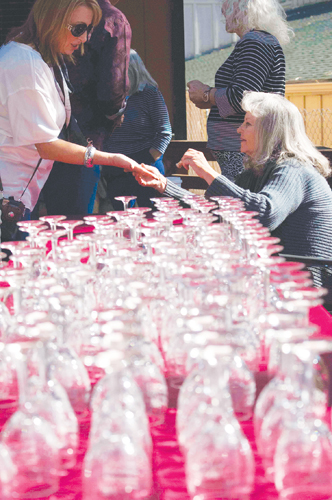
column 280, row 133
column 47, row 23
column 263, row 15
column 138, row 74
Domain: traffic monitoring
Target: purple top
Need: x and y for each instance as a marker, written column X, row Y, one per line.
column 100, row 77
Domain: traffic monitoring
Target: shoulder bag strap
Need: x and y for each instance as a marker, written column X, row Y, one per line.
column 33, row 174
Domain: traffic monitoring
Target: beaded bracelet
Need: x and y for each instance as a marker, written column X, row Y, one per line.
column 89, row 154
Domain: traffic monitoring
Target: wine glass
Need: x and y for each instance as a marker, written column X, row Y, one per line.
column 70, row 225
column 219, row 460
column 52, row 220
column 31, row 441
column 125, row 200
column 15, row 247
column 128, row 474
column 280, row 411
column 65, row 366
column 32, row 227
column 54, row 235
column 303, row 458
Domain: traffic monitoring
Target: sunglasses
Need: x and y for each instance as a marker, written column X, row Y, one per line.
column 79, row 29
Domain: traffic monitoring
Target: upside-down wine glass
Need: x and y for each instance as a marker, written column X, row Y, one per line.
column 125, row 200
column 52, row 220
column 70, row 225
column 303, row 458
column 31, row 441
column 219, row 460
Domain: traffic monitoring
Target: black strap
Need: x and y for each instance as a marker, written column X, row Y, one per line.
column 33, row 174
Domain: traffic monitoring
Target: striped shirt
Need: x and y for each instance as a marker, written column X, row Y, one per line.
column 257, row 63
column 146, row 124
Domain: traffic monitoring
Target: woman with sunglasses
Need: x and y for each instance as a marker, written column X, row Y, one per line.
column 34, row 97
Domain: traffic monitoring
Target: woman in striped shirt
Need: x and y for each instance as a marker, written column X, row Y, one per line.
column 143, row 136
column 257, row 63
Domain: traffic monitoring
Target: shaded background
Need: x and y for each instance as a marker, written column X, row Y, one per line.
column 158, row 36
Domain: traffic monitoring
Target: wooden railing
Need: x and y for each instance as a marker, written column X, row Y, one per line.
column 314, row 100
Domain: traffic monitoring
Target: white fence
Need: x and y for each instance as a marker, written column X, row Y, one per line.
column 204, row 28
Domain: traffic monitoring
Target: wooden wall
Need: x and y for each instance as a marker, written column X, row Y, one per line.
column 158, row 37
column 12, row 13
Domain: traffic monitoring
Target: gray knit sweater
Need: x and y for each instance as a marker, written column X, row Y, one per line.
column 293, row 201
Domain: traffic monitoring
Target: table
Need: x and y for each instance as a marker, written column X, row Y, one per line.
column 168, row 462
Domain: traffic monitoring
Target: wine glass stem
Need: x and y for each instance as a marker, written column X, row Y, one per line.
column 22, row 375
column 92, row 253
column 125, row 205
column 149, row 251
column 17, row 296
column 15, row 261
column 54, row 245
column 133, row 234
column 42, row 363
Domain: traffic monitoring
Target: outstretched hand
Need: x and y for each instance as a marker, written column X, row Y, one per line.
column 122, row 161
column 150, row 177
column 197, row 161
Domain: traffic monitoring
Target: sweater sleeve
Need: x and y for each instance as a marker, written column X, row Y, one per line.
column 280, row 196
column 160, row 120
column 252, row 62
column 174, row 191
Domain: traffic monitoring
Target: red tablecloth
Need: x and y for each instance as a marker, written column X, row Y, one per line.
column 168, row 462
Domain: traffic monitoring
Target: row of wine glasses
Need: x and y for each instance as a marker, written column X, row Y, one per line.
column 134, row 302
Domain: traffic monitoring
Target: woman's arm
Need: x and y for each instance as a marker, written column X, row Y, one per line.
column 252, row 60
column 281, row 192
column 197, row 161
column 67, row 152
column 158, row 114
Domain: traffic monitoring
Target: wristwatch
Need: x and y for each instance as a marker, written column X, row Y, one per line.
column 206, row 95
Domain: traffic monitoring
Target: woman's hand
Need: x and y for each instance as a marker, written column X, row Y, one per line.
column 150, row 177
column 67, row 152
column 197, row 161
column 122, row 161
column 196, row 90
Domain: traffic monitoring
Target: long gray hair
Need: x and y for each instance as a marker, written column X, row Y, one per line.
column 264, row 15
column 280, row 133
column 138, row 74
